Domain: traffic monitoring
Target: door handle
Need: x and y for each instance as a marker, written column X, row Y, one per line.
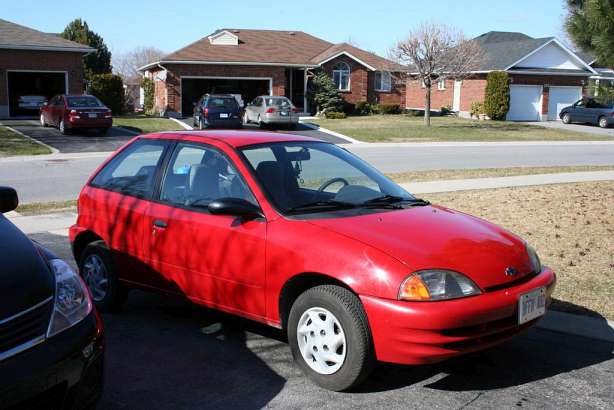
column 158, row 223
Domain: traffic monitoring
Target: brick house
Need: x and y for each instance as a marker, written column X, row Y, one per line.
column 545, row 76
column 33, row 63
column 256, row 62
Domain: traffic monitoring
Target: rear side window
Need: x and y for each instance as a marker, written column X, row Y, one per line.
column 133, row 171
column 228, row 103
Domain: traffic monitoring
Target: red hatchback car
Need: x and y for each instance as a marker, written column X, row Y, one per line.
column 303, row 235
column 70, row 112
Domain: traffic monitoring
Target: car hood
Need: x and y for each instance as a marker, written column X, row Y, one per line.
column 429, row 237
column 25, row 279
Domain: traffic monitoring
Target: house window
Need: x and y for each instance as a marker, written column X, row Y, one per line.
column 441, row 85
column 341, row 76
column 383, row 81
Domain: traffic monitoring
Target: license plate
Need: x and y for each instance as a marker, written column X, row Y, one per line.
column 223, row 115
column 92, row 115
column 531, row 305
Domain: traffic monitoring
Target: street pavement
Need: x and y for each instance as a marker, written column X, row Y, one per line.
column 60, row 177
column 164, row 353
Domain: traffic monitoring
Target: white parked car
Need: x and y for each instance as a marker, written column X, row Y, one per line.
column 269, row 110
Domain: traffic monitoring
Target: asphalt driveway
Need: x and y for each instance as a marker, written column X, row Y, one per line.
column 164, row 353
column 302, row 129
column 588, row 128
column 79, row 141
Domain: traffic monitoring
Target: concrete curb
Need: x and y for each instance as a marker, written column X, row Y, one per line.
column 53, row 150
column 333, row 133
column 183, row 124
column 481, row 144
column 58, row 156
column 586, row 326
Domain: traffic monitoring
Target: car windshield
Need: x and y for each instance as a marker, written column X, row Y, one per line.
column 84, row 102
column 278, row 102
column 309, row 176
column 228, row 103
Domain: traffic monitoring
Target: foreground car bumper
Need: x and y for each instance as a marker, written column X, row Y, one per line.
column 64, row 372
column 429, row 332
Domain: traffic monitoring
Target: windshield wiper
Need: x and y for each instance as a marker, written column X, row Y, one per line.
column 385, row 200
column 323, row 204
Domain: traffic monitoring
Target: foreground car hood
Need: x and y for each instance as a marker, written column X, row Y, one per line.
column 434, row 237
column 25, row 279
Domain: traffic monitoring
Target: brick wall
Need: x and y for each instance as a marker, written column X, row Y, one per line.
column 172, row 85
column 396, row 95
column 439, row 98
column 359, row 79
column 70, row 62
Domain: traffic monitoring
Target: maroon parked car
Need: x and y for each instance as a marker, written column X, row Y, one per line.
column 70, row 112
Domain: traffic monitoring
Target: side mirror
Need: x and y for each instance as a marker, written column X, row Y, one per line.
column 235, row 207
column 8, row 199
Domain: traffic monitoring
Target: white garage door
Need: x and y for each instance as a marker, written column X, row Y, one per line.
column 525, row 103
column 561, row 97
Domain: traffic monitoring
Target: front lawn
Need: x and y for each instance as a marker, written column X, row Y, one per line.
column 570, row 225
column 404, row 128
column 12, row 143
column 145, row 124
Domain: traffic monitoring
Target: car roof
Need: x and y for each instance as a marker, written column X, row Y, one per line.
column 220, row 95
column 233, row 138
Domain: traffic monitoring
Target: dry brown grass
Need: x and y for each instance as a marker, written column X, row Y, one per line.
column 570, row 225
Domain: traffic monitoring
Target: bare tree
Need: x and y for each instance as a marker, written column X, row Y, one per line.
column 434, row 52
column 126, row 64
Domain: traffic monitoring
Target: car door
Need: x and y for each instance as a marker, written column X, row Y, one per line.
column 118, row 205
column 579, row 112
column 216, row 260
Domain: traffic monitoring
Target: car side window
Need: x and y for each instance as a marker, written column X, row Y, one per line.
column 133, row 170
column 197, row 175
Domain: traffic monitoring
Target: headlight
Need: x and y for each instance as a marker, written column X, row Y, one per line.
column 536, row 265
column 437, row 285
column 72, row 299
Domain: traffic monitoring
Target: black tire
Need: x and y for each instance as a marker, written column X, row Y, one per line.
column 293, row 126
column 63, row 129
column 115, row 295
column 43, row 122
column 261, row 124
column 104, row 131
column 603, row 122
column 566, row 118
column 201, row 126
column 359, row 353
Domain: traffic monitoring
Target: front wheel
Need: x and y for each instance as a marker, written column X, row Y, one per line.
column 330, row 339
column 603, row 122
column 97, row 268
column 566, row 118
column 42, row 119
column 63, row 129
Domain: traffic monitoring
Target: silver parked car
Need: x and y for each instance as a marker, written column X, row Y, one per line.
column 269, row 110
column 589, row 110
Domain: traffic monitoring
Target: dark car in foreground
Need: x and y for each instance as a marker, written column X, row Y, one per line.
column 72, row 112
column 217, row 111
column 51, row 338
column 588, row 110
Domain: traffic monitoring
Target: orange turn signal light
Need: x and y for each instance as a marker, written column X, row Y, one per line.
column 413, row 288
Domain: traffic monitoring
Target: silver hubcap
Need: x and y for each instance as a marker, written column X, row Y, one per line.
column 602, row 122
column 62, row 126
column 42, row 120
column 321, row 340
column 95, row 275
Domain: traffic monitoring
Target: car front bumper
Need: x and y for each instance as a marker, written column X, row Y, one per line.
column 63, row 372
column 429, row 332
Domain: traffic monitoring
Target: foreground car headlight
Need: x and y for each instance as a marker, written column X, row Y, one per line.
column 436, row 284
column 72, row 300
column 536, row 265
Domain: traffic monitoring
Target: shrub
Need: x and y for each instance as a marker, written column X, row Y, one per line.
column 387, row 108
column 477, row 108
column 415, row 113
column 109, row 89
column 323, row 94
column 362, row 108
column 334, row 115
column 348, row 108
column 445, row 110
column 497, row 96
column 148, row 95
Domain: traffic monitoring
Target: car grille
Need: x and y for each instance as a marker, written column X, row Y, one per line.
column 25, row 329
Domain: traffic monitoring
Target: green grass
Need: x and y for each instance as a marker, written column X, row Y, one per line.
column 12, row 143
column 399, row 128
column 37, row 208
column 144, row 124
column 446, row 174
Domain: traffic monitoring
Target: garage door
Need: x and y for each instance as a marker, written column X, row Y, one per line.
column 27, row 89
column 561, row 97
column 194, row 88
column 525, row 103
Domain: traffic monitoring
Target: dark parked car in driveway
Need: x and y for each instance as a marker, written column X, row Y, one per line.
column 217, row 111
column 70, row 112
column 51, row 338
column 589, row 110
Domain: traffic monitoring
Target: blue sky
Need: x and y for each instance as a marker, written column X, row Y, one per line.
column 372, row 25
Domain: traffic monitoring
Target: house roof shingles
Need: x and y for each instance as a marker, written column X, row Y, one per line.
column 273, row 47
column 15, row 36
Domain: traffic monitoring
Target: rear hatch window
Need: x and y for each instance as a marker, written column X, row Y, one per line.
column 222, row 103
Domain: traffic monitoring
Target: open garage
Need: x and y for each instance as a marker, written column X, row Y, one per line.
column 192, row 88
column 25, row 88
